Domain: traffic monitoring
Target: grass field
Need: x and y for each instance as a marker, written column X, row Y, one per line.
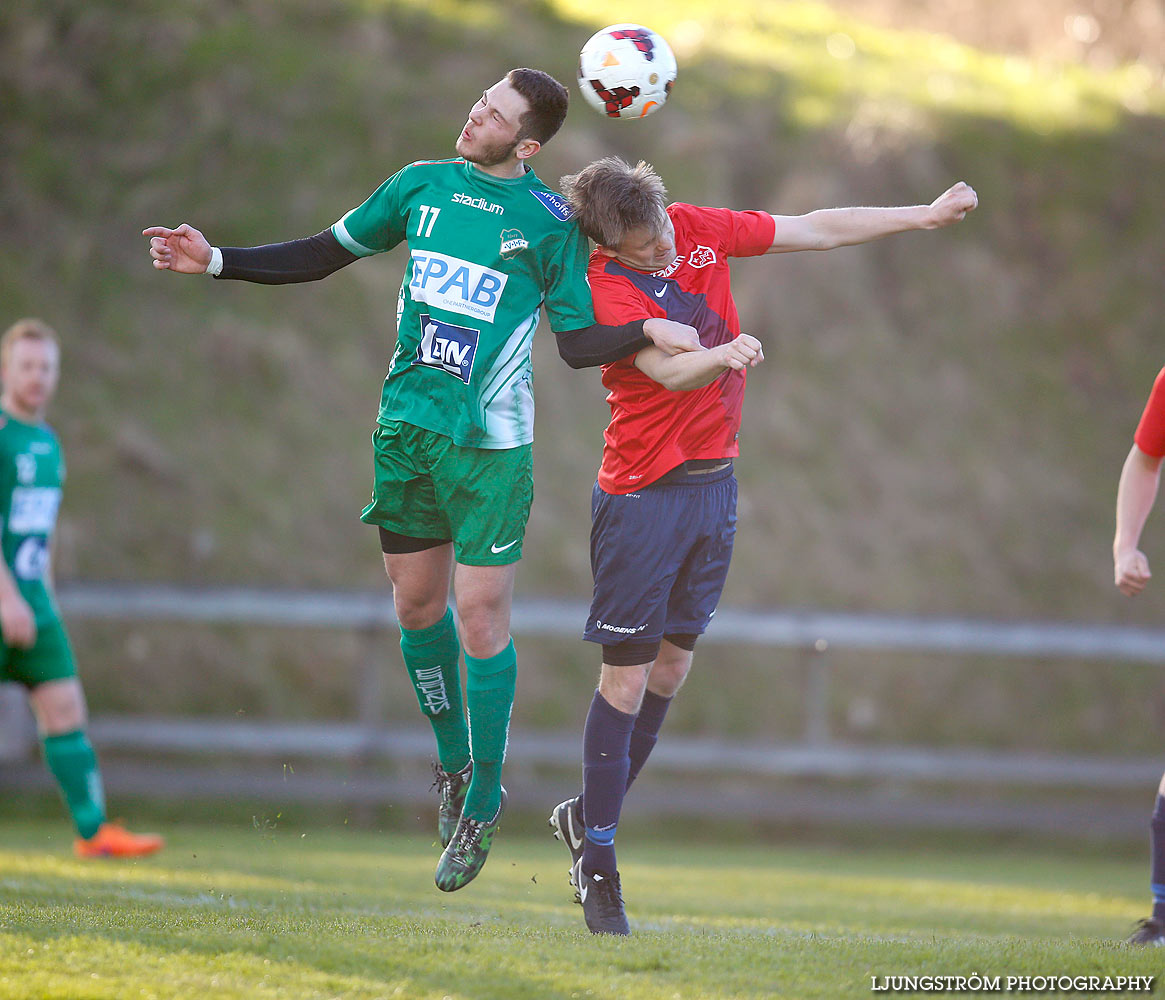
column 271, row 911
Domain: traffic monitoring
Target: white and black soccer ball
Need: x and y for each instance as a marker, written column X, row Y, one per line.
column 626, row 71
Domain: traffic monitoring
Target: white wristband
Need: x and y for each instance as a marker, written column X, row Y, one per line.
column 215, row 265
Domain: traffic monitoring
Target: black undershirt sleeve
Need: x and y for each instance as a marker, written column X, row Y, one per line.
column 309, row 259
column 600, row 345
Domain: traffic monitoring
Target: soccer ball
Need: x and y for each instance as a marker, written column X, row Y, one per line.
column 626, row 71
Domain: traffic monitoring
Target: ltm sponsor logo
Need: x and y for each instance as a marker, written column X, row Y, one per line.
column 447, row 346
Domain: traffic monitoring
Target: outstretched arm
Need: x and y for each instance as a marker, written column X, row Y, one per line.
column 1135, row 495
column 187, row 251
column 828, row 228
column 693, row 369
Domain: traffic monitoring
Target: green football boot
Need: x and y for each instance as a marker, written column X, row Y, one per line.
column 467, row 851
column 452, row 789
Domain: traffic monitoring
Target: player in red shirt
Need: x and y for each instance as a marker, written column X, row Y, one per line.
column 1135, row 495
column 664, row 507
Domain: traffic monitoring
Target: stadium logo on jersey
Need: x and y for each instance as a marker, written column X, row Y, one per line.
column 671, row 269
column 513, row 243
column 702, row 256
column 448, row 347
column 459, row 286
column 34, row 510
column 485, row 206
column 555, row 204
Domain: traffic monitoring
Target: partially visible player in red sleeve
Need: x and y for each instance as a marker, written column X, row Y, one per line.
column 663, row 511
column 1140, row 478
column 1137, row 491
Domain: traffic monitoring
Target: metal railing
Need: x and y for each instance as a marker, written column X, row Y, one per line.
column 814, row 634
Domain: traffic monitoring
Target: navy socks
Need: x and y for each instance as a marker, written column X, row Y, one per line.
column 1157, row 856
column 606, row 764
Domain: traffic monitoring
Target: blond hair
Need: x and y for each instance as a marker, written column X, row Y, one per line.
column 610, row 198
column 26, row 329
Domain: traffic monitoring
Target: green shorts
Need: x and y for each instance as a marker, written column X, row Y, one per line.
column 425, row 486
column 50, row 658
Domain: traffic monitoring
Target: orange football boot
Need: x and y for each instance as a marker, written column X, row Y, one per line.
column 114, row 841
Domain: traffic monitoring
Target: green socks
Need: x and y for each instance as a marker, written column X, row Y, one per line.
column 489, row 692
column 431, row 657
column 73, row 763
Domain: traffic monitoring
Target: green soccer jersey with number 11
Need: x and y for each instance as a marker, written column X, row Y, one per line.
column 32, row 471
column 486, row 255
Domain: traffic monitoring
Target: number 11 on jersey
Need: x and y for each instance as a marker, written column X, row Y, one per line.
column 428, row 215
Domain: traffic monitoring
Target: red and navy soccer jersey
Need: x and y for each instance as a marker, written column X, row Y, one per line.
column 653, row 429
column 1150, row 436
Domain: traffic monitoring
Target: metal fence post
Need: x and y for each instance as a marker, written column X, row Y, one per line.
column 817, row 693
column 370, row 680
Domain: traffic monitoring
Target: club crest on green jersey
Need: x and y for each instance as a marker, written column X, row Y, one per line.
column 513, row 243
column 446, row 346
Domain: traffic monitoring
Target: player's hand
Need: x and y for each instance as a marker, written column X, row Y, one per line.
column 671, row 337
column 17, row 622
column 184, row 249
column 1132, row 572
column 952, row 205
column 743, row 352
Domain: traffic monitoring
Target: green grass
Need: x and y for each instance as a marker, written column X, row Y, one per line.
column 277, row 912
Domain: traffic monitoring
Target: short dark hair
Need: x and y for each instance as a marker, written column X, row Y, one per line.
column 610, row 197
column 548, row 100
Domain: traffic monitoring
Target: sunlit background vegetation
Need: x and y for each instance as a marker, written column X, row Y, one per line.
column 938, row 427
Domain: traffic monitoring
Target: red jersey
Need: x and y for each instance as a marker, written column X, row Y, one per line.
column 1150, row 436
column 653, row 429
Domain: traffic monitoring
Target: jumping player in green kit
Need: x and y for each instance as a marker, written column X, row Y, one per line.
column 490, row 247
column 35, row 650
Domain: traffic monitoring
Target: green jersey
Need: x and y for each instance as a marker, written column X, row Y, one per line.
column 32, row 472
column 486, row 255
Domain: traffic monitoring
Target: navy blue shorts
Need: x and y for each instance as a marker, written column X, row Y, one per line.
column 660, row 556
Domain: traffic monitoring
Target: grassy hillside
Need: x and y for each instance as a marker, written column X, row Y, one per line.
column 942, row 416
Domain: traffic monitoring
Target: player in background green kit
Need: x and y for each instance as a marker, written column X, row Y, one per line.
column 35, row 650
column 490, row 247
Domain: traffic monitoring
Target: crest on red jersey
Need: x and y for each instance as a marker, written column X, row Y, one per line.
column 702, row 256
